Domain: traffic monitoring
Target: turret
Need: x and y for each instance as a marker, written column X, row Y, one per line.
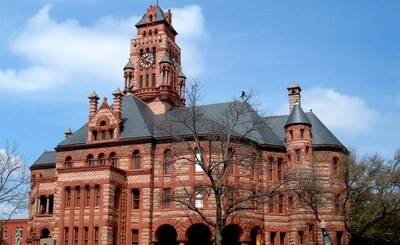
column 129, row 72
column 117, row 103
column 298, row 136
column 93, row 102
column 182, row 87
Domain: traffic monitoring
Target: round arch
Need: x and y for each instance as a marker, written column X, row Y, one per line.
column 256, row 236
column 44, row 233
column 166, row 235
column 198, row 234
column 231, row 235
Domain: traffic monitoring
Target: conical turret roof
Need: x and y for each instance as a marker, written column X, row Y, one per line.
column 297, row 116
column 129, row 65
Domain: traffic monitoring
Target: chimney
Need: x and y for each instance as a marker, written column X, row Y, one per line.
column 294, row 95
column 68, row 133
column 93, row 101
column 117, row 102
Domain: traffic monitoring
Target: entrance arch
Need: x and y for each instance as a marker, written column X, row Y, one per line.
column 256, row 236
column 166, row 235
column 44, row 233
column 198, row 234
column 231, row 235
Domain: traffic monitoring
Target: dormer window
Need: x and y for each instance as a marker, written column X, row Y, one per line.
column 151, row 18
column 103, row 123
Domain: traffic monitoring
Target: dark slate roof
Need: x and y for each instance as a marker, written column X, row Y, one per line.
column 213, row 120
column 139, row 122
column 160, row 16
column 297, row 116
column 321, row 134
column 47, row 159
column 137, row 119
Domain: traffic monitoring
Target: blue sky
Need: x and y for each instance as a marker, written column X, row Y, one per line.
column 344, row 54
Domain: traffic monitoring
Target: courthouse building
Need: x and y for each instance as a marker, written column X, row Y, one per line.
column 106, row 183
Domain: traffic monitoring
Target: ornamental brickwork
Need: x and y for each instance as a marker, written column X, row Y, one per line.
column 107, row 183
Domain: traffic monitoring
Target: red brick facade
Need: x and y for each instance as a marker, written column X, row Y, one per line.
column 108, row 190
column 14, row 231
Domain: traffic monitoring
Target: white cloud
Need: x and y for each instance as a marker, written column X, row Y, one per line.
column 189, row 23
column 67, row 53
column 347, row 115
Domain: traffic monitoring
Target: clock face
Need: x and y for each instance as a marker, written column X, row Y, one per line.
column 146, row 60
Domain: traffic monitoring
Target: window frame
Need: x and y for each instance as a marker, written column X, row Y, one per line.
column 136, row 198
column 167, row 193
column 137, row 161
column 168, row 162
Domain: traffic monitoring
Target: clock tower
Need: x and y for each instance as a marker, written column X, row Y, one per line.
column 153, row 72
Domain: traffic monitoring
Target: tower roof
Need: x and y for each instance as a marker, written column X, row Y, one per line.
column 297, row 116
column 160, row 16
column 129, row 65
column 181, row 74
column 165, row 59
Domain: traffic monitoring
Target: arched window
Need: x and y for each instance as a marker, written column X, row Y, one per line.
column 102, row 159
column 335, row 165
column 103, row 123
column 229, row 162
column 197, row 160
column 68, row 162
column 113, row 159
column 167, row 162
column 90, row 160
column 136, row 160
column 151, row 18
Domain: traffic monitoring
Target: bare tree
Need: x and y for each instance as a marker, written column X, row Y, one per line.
column 372, row 203
column 14, row 180
column 218, row 141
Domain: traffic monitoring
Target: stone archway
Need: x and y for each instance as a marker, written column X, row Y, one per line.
column 166, row 235
column 198, row 234
column 256, row 236
column 44, row 233
column 231, row 235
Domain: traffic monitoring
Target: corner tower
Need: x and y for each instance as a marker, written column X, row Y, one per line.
column 153, row 72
